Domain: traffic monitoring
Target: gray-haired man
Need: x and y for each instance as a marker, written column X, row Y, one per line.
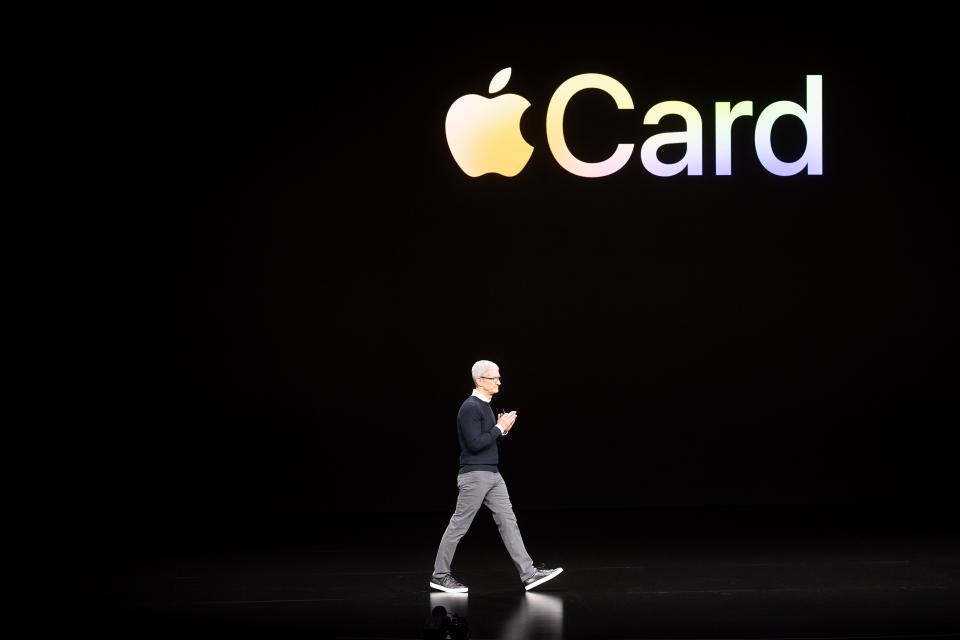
column 480, row 483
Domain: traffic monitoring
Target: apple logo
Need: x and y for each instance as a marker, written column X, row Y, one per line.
column 484, row 133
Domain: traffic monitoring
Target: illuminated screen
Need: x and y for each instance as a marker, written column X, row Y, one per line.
column 714, row 265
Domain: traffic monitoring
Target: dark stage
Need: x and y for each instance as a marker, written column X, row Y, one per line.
column 667, row 573
column 733, row 355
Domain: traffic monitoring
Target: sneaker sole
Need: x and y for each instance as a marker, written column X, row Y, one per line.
column 545, row 579
column 434, row 585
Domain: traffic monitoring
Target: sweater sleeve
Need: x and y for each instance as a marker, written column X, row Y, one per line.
column 475, row 438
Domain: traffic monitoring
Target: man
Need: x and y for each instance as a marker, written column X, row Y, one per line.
column 480, row 483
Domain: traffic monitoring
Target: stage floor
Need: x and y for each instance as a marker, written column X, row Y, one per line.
column 628, row 574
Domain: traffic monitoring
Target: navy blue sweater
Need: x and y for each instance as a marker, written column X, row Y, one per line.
column 478, row 434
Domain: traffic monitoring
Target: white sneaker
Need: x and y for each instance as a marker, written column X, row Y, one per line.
column 447, row 583
column 541, row 576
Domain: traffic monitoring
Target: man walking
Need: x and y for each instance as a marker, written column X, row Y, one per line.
column 480, row 483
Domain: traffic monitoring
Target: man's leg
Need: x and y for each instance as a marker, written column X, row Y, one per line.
column 473, row 487
column 498, row 501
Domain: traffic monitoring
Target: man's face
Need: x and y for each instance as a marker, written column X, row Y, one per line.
column 490, row 382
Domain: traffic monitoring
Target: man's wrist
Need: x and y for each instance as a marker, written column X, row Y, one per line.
column 503, row 431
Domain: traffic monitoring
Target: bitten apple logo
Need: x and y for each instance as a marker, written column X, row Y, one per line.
column 484, row 133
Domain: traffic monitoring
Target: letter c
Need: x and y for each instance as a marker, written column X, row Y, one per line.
column 556, row 109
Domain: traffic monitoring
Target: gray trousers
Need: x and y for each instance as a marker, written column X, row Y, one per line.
column 488, row 489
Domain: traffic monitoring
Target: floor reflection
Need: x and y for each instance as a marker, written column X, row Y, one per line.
column 535, row 616
column 454, row 603
column 448, row 617
column 539, row 615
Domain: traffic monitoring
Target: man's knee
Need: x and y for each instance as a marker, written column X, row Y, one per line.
column 462, row 520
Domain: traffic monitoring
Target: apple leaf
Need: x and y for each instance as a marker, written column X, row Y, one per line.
column 500, row 80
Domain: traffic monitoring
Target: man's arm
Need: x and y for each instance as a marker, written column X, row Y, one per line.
column 475, row 438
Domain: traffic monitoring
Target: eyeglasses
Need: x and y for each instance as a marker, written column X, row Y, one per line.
column 489, row 378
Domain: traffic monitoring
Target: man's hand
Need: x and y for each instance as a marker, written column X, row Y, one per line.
column 506, row 420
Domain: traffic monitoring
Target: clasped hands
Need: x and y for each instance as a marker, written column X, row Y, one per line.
column 506, row 420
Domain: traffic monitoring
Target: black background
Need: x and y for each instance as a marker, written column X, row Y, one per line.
column 297, row 277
